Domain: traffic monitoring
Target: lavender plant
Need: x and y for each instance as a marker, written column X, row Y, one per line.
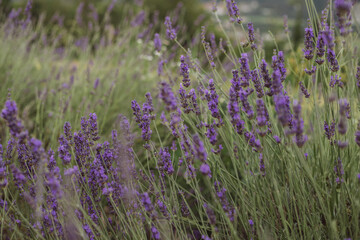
column 262, row 150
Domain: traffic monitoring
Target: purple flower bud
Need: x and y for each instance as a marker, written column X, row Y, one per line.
column 184, row 71
column 157, row 42
column 205, row 169
column 336, row 81
column 96, row 83
column 277, row 139
column 139, row 19
column 309, row 43
column 166, row 94
column 299, row 139
column 339, row 171
column 257, row 84
column 164, row 162
column 9, row 113
column 170, row 31
column 251, row 36
column 304, row 90
column 343, row 12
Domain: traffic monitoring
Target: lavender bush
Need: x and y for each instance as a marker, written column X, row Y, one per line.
column 230, row 146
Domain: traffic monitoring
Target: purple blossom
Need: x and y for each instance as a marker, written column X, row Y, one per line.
column 157, row 42
column 139, row 19
column 233, row 11
column 155, row 233
column 96, row 83
column 221, row 194
column 311, row 71
column 93, row 128
column 309, row 43
column 213, row 100
column 358, row 76
column 184, row 72
column 264, row 72
column 329, row 130
column 205, row 169
column 170, row 31
column 64, row 150
column 244, row 70
column 246, row 105
column 282, row 108
column 253, row 142
column 261, row 113
column 262, row 165
column 339, row 171
column 320, row 48
column 299, row 138
column 276, row 86
column 233, row 109
column 166, row 94
column 257, row 83
column 164, row 162
column 199, row 149
column 304, row 90
column 343, row 12
column 277, row 139
column 336, row 81
column 9, row 113
column 210, row 213
column 251, row 36
column 344, row 112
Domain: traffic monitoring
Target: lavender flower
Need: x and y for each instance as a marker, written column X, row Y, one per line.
column 265, row 74
column 247, row 107
column 184, row 72
column 262, row 165
column 139, row 19
column 166, row 94
column 233, row 11
column 164, row 162
column 309, row 43
column 257, row 83
column 282, row 108
column 9, row 113
column 304, row 90
column 329, row 130
column 358, row 76
column 93, row 129
column 261, row 113
column 157, row 42
column 343, row 12
column 251, row 36
column 320, row 48
column 210, row 213
column 213, row 100
column 311, row 71
column 339, row 171
column 336, row 81
column 221, row 194
column 199, row 149
column 170, row 31
column 245, row 70
column 96, row 83
column 299, row 139
column 277, row 139
column 286, row 26
column 276, row 86
column 344, row 112
column 64, row 150
column 233, row 109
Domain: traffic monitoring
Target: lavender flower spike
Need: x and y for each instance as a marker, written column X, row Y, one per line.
column 184, row 71
column 157, row 42
column 170, row 31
